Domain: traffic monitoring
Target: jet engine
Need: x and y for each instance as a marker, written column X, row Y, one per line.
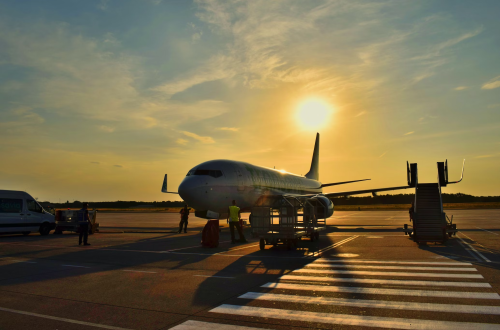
column 323, row 206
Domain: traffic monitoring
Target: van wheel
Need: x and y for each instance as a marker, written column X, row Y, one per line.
column 44, row 229
column 262, row 244
column 26, row 233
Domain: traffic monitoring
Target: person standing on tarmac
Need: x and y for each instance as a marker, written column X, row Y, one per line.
column 84, row 221
column 233, row 219
column 184, row 218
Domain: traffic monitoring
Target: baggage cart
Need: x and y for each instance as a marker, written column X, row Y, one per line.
column 278, row 221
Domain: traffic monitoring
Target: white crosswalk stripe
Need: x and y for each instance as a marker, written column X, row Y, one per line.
column 316, row 285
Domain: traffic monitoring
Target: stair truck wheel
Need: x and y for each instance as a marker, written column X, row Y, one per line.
column 312, row 237
column 262, row 244
column 317, row 235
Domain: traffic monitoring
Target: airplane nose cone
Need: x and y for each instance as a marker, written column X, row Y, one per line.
column 187, row 189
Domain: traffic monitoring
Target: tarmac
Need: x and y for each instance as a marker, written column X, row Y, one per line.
column 363, row 273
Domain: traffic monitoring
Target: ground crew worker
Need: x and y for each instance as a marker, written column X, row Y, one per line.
column 84, row 221
column 184, row 218
column 234, row 215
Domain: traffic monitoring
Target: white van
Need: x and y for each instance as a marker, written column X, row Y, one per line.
column 19, row 212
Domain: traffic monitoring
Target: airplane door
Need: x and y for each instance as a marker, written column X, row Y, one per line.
column 11, row 214
column 240, row 179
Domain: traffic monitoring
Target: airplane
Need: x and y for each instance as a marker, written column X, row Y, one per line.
column 210, row 187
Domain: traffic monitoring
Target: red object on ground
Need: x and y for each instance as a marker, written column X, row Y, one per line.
column 210, row 234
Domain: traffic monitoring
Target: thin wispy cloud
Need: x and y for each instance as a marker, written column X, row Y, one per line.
column 360, row 114
column 460, row 88
column 202, row 139
column 107, row 129
column 382, row 155
column 97, row 163
column 182, row 142
column 232, row 129
column 409, row 133
column 119, row 166
column 492, row 84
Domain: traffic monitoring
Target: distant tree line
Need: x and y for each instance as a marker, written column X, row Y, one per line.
column 353, row 200
column 114, row 205
column 408, row 198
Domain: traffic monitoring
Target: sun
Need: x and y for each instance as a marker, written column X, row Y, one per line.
column 313, row 113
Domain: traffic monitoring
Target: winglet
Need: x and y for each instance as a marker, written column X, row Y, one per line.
column 164, row 187
column 314, row 171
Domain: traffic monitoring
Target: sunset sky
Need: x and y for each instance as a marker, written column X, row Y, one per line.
column 99, row 99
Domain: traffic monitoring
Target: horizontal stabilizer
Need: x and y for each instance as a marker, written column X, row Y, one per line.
column 338, row 183
column 164, row 187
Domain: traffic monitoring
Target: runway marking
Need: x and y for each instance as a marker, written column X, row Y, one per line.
column 488, row 231
column 240, row 248
column 335, row 245
column 62, row 319
column 196, row 325
column 362, row 272
column 392, row 267
column 27, row 262
column 137, row 271
column 427, row 307
column 190, row 247
column 477, row 243
column 355, row 320
column 468, row 250
column 478, row 253
column 213, row 276
column 394, row 292
column 75, row 266
column 377, row 281
column 453, row 263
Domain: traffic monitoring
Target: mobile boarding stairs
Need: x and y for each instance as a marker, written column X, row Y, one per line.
column 430, row 223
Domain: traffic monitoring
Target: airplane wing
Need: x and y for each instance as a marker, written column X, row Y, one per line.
column 337, row 183
column 367, row 191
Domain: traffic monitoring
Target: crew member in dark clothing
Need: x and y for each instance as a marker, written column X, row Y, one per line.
column 84, row 221
column 184, row 218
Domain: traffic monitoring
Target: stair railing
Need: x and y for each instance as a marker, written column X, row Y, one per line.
column 440, row 198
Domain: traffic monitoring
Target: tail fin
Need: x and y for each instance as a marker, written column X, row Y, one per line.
column 314, row 171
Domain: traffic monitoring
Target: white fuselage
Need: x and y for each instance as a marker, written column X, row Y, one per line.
column 214, row 184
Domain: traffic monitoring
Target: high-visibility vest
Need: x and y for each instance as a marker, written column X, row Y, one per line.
column 233, row 213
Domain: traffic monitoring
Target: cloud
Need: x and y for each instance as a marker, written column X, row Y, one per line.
column 460, row 88
column 107, row 129
column 409, row 133
column 202, row 139
column 361, row 114
column 233, row 129
column 382, row 155
column 182, row 141
column 95, row 163
column 493, row 106
column 120, row 166
column 492, row 84
column 103, row 5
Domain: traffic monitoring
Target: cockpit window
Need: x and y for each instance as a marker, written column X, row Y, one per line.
column 212, row 173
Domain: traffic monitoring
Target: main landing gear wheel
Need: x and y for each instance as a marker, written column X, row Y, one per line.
column 262, row 244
